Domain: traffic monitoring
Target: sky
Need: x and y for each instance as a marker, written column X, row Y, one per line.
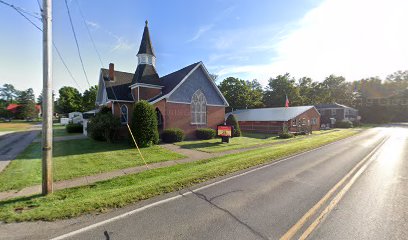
column 239, row 38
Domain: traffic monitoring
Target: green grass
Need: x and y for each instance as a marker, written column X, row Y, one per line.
column 16, row 125
column 247, row 140
column 75, row 158
column 59, row 131
column 118, row 192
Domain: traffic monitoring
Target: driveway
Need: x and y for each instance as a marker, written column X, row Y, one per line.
column 12, row 143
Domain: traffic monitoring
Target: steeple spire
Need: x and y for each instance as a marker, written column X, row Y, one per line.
column 146, row 44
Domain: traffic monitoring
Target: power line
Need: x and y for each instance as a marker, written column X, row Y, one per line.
column 39, row 5
column 76, row 42
column 89, row 33
column 53, row 43
column 20, row 9
column 65, row 65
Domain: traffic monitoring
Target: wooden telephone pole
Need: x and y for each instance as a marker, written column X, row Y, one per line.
column 47, row 101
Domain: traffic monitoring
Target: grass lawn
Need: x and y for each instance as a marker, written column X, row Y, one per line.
column 75, row 158
column 59, row 131
column 16, row 126
column 127, row 189
column 248, row 139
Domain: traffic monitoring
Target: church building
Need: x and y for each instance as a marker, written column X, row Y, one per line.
column 187, row 98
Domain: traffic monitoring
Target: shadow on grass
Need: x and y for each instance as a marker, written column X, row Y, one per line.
column 258, row 135
column 200, row 145
column 75, row 147
column 20, row 199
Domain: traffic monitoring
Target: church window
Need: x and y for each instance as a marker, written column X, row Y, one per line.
column 198, row 108
column 124, row 114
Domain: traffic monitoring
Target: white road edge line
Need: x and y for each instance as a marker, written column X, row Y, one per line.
column 124, row 215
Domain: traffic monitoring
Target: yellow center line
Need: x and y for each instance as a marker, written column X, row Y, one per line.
column 334, row 202
column 295, row 228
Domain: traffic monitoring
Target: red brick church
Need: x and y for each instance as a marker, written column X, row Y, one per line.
column 187, row 98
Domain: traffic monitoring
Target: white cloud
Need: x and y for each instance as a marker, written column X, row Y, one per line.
column 122, row 44
column 93, row 25
column 352, row 38
column 201, row 31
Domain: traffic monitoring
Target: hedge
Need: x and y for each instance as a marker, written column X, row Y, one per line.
column 286, row 135
column 144, row 124
column 232, row 121
column 172, row 135
column 205, row 133
column 343, row 124
column 104, row 126
column 74, row 128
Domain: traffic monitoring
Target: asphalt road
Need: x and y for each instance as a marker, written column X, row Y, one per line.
column 267, row 202
column 12, row 143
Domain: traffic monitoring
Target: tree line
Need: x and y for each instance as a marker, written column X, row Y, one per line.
column 69, row 100
column 379, row 100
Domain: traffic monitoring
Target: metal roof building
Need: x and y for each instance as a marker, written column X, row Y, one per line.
column 272, row 120
column 270, row 114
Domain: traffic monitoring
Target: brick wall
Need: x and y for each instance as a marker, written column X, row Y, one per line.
column 179, row 116
column 145, row 93
column 306, row 118
column 276, row 127
column 261, row 126
column 176, row 115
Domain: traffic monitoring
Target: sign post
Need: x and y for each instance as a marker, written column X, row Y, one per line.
column 225, row 132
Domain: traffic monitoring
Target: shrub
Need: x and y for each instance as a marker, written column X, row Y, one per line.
column 205, row 133
column 104, row 126
column 144, row 124
column 74, row 128
column 343, row 124
column 232, row 121
column 171, row 135
column 286, row 135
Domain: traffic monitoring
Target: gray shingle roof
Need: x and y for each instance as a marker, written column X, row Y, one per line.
column 170, row 81
column 331, row 105
column 270, row 114
column 146, row 73
column 146, row 44
column 119, row 79
column 120, row 85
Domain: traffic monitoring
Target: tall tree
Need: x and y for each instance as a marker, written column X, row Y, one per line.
column 337, row 90
column 8, row 92
column 89, row 98
column 236, row 91
column 26, row 101
column 70, row 100
column 255, row 94
column 277, row 90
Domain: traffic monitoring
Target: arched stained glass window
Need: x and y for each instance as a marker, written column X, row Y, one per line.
column 198, row 108
column 124, row 114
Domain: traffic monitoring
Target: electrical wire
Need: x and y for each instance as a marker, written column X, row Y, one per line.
column 32, row 14
column 76, row 42
column 89, row 33
column 39, row 5
column 53, row 43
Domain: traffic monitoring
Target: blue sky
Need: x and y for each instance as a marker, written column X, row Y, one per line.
column 246, row 39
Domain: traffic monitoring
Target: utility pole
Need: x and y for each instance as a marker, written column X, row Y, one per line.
column 47, row 102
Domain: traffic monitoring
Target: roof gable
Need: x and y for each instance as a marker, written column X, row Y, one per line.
column 171, row 80
column 176, row 79
column 197, row 80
